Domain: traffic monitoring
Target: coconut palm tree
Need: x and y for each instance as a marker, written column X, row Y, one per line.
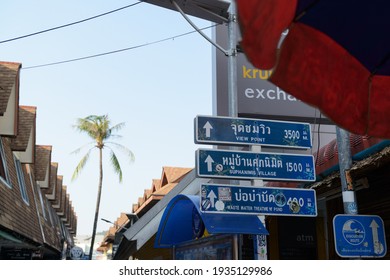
column 99, row 130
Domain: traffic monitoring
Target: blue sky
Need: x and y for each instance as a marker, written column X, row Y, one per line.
column 157, row 90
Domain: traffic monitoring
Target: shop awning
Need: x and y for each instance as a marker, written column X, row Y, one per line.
column 177, row 223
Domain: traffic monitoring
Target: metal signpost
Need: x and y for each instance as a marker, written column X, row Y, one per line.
column 250, row 165
column 257, row 200
column 258, row 165
column 358, row 236
column 241, row 131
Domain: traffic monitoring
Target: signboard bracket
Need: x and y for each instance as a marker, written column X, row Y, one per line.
column 227, row 53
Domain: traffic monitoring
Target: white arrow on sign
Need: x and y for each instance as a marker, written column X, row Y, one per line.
column 208, row 127
column 209, row 160
column 212, row 197
column 374, row 226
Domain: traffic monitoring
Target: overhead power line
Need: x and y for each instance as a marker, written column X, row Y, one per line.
column 69, row 24
column 115, row 51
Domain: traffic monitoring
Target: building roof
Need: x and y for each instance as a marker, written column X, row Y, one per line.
column 58, row 193
column 42, row 161
column 156, row 184
column 73, row 223
column 146, row 227
column 174, row 174
column 50, row 192
column 64, row 201
column 8, row 74
column 120, row 222
column 27, row 117
column 327, row 158
column 160, row 187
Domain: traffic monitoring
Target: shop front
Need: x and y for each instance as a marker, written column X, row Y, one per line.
column 192, row 234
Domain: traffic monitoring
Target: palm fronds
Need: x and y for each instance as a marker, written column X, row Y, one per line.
column 116, row 165
column 99, row 130
column 129, row 154
column 81, row 165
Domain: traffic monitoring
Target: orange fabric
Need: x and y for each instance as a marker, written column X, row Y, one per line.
column 319, row 72
column 260, row 31
column 379, row 105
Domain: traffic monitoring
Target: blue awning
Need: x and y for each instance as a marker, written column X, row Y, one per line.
column 177, row 223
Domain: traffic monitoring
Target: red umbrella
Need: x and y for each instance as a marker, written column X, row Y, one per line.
column 335, row 56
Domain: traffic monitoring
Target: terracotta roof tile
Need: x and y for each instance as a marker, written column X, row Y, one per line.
column 122, row 219
column 120, row 222
column 169, row 179
column 156, row 184
column 8, row 74
column 174, row 174
column 166, row 189
column 147, row 194
column 327, row 157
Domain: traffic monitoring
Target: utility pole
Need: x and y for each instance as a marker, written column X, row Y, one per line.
column 345, row 163
column 232, row 62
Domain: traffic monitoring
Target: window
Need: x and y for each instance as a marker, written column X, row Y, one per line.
column 39, row 191
column 42, row 204
column 21, row 181
column 3, row 166
column 49, row 210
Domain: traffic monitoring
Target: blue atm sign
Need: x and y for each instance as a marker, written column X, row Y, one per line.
column 241, row 131
column 250, row 165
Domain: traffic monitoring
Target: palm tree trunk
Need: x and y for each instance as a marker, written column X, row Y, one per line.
column 100, row 186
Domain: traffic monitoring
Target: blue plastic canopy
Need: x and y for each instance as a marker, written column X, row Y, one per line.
column 177, row 223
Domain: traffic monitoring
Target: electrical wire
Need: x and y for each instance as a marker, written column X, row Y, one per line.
column 116, row 51
column 69, row 24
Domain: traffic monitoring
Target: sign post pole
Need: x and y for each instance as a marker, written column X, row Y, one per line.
column 345, row 162
column 232, row 87
column 261, row 253
column 232, row 62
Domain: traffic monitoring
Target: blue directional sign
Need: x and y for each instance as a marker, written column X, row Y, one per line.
column 258, row 200
column 358, row 236
column 250, row 165
column 240, row 131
